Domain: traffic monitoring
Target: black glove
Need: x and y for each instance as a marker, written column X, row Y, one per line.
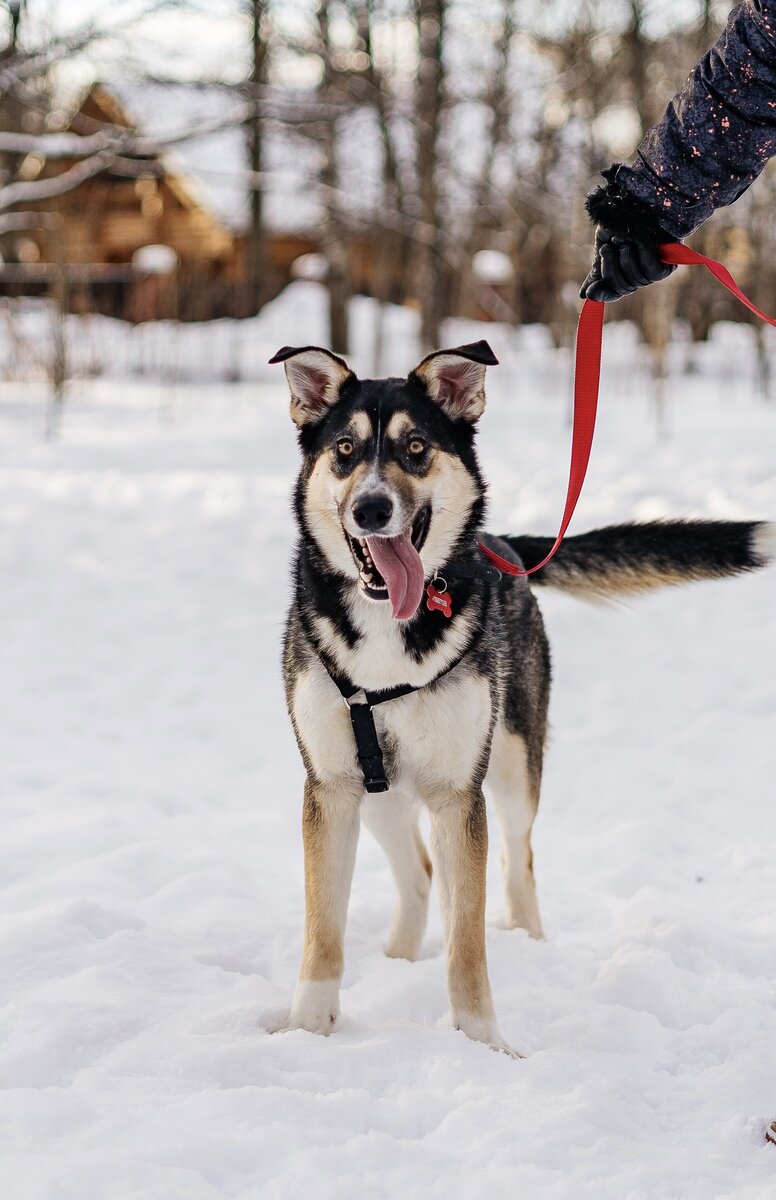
column 622, row 264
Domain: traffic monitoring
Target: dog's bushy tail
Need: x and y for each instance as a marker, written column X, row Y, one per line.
column 624, row 559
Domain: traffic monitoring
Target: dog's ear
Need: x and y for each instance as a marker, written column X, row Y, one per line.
column 455, row 379
column 315, row 377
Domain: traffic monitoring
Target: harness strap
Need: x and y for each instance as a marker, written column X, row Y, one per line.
column 368, row 749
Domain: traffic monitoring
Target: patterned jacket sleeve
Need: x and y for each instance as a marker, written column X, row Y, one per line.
column 714, row 139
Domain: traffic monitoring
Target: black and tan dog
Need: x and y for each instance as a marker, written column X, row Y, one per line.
column 415, row 674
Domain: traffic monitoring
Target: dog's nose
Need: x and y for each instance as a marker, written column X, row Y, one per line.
column 372, row 513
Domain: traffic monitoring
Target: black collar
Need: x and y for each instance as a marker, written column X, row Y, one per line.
column 471, row 567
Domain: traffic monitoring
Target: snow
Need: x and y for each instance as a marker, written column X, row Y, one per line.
column 493, row 266
column 155, row 260
column 152, row 866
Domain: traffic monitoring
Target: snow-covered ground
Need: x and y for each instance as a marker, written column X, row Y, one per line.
column 151, row 855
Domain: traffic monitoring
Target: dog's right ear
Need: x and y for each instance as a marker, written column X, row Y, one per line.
column 315, row 377
column 455, row 379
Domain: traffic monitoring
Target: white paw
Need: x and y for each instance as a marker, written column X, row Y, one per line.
column 404, row 944
column 315, row 1007
column 409, row 926
column 532, row 925
column 504, row 1048
column 485, row 1030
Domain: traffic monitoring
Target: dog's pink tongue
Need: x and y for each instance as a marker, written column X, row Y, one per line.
column 399, row 563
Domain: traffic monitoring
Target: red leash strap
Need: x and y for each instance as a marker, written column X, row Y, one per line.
column 587, row 373
column 683, row 256
column 586, row 379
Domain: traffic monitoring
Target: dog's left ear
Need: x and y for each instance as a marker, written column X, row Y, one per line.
column 315, row 377
column 455, row 379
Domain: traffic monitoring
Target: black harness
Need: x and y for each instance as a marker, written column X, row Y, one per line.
column 368, row 749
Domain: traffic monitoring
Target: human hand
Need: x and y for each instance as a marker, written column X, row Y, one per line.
column 621, row 266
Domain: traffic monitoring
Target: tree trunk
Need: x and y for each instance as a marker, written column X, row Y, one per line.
column 334, row 238
column 388, row 235
column 256, row 250
column 431, row 15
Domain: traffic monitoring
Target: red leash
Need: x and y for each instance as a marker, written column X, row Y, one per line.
column 683, row 256
column 587, row 373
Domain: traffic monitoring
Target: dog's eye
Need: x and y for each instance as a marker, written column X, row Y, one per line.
column 345, row 447
column 416, row 445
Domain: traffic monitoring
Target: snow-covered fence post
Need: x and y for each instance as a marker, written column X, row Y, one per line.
column 156, row 296
column 58, row 362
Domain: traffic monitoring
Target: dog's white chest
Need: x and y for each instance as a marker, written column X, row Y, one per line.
column 436, row 736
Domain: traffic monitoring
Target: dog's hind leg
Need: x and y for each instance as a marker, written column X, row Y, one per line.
column 513, row 780
column 330, row 825
column 392, row 821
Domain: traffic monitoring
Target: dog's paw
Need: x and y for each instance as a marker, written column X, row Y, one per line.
column 274, row 1020
column 408, row 929
column 315, row 1007
column 404, row 945
column 504, row 1048
column 481, row 1029
column 520, row 921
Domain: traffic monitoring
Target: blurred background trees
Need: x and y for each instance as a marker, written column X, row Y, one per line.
column 434, row 153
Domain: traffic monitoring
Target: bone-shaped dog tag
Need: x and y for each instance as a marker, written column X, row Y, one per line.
column 439, row 601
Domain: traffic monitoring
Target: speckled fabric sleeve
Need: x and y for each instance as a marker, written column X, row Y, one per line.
column 715, row 138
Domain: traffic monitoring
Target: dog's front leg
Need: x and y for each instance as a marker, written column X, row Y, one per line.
column 459, row 849
column 330, row 824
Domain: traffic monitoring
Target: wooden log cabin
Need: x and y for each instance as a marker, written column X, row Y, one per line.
column 89, row 246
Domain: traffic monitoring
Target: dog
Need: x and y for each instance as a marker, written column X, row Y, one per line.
column 415, row 673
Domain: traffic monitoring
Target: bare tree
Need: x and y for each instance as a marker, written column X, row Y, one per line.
column 256, row 256
column 430, row 16
column 334, row 233
column 393, row 245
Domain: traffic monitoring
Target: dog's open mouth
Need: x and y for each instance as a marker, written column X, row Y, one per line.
column 389, row 568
